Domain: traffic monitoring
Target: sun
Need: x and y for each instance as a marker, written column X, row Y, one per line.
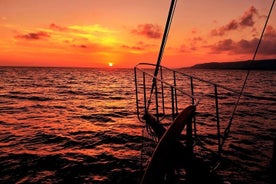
column 110, row 64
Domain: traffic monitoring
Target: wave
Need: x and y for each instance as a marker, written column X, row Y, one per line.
column 31, row 98
column 79, row 126
column 97, row 118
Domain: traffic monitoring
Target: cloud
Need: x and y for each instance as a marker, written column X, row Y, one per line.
column 223, row 45
column 183, row 48
column 267, row 46
column 139, row 46
column 57, row 27
column 34, row 36
column 82, row 46
column 91, row 48
column 96, row 28
column 194, row 44
column 148, row 30
column 270, row 32
column 247, row 17
column 230, row 46
column 93, row 37
column 132, row 47
column 246, row 20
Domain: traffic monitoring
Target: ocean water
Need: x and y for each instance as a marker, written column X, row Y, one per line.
column 79, row 125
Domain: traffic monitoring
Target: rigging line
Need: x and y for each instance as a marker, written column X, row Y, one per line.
column 163, row 44
column 227, row 129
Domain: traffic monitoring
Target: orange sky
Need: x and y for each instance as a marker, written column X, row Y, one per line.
column 92, row 33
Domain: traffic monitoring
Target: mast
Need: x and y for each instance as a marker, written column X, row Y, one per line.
column 162, row 47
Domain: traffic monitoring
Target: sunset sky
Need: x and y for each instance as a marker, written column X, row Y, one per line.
column 93, row 33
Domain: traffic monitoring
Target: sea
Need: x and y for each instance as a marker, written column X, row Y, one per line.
column 80, row 125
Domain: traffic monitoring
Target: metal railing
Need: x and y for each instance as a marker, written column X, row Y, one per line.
column 174, row 90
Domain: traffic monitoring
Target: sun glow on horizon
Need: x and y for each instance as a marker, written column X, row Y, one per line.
column 88, row 37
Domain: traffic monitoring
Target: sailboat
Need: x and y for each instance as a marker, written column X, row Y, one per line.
column 168, row 105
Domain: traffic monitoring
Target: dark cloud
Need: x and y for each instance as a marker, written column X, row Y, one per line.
column 246, row 20
column 232, row 47
column 245, row 46
column 92, row 47
column 34, row 36
column 228, row 27
column 267, row 46
column 57, row 28
column 82, row 46
column 247, row 17
column 224, row 45
column 148, row 30
column 270, row 32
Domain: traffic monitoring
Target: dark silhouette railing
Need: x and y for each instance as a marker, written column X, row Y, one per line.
column 174, row 90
